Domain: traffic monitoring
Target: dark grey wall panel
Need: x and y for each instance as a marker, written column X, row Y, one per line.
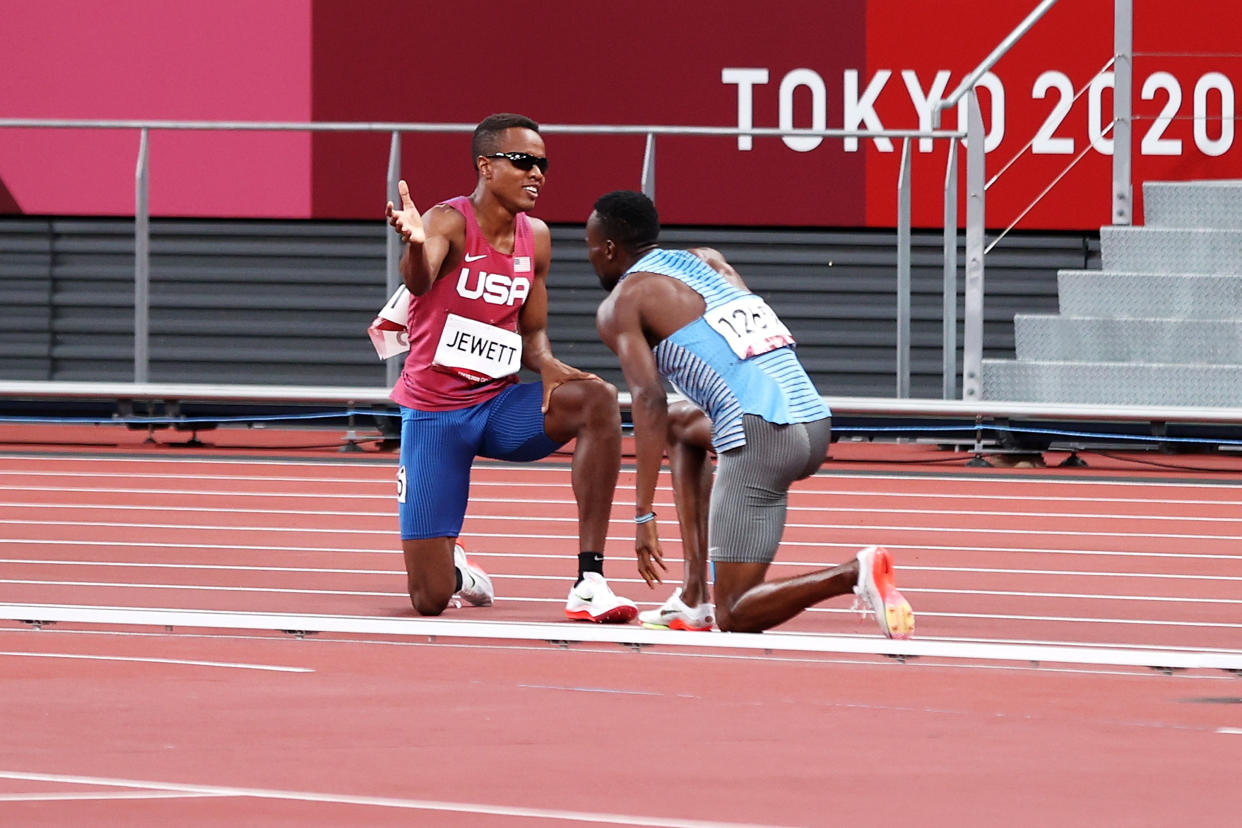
column 25, row 299
column 289, row 302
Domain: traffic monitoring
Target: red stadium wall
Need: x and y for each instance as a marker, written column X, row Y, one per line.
column 852, row 63
column 150, row 59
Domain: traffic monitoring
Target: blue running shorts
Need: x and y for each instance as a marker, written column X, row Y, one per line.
column 439, row 447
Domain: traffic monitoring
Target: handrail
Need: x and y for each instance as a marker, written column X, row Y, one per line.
column 142, row 217
column 399, row 126
column 1004, row 46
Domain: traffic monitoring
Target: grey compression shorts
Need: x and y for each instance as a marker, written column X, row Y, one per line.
column 747, row 514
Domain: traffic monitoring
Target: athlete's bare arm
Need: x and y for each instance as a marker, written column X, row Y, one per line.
column 620, row 325
column 533, row 322
column 433, row 243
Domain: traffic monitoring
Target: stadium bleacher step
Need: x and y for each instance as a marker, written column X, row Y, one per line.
column 1113, row 383
column 1159, row 324
column 1105, row 293
column 1171, row 250
column 1040, row 337
column 1198, row 204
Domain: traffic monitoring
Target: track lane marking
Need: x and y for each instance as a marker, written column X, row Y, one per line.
column 382, row 801
column 271, row 668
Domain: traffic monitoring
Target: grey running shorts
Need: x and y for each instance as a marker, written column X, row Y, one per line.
column 747, row 514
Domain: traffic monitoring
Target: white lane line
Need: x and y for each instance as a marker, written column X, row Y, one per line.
column 722, row 656
column 384, row 477
column 566, row 631
column 383, row 802
column 522, row 518
column 797, row 492
column 236, row 547
column 146, row 461
column 1230, row 731
column 384, row 472
column 561, row 578
column 221, row 567
column 103, row 795
column 566, row 537
column 388, row 486
column 209, row 588
column 388, row 513
column 569, row 502
column 316, row 570
column 271, row 668
column 1075, row 595
column 34, row 610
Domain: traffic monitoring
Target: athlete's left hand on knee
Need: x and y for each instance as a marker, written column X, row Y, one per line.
column 555, row 376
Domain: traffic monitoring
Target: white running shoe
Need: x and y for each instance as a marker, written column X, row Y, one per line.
column 675, row 615
column 877, row 592
column 476, row 587
column 594, row 600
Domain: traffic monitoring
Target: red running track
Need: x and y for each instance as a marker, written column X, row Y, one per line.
column 138, row 726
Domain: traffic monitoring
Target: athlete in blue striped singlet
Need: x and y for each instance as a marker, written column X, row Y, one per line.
column 687, row 317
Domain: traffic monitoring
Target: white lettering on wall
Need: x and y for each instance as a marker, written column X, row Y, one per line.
column 746, row 80
column 1154, row 142
column 1045, row 143
column 994, row 126
column 859, row 111
column 923, row 100
column 1218, row 83
column 819, row 108
column 1095, row 113
column 803, row 96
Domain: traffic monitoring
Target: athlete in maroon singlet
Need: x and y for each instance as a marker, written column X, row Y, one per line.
column 476, row 268
column 489, row 287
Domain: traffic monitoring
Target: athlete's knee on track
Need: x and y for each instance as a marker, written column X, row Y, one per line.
column 428, row 601
column 726, row 621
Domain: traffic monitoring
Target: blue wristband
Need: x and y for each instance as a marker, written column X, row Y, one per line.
column 647, row 518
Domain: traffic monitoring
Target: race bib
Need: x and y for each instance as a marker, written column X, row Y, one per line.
column 478, row 351
column 749, row 326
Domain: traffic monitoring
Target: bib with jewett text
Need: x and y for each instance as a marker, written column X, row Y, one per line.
column 476, row 350
column 749, row 326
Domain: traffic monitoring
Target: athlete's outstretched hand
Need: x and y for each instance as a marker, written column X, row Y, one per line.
column 650, row 554
column 406, row 221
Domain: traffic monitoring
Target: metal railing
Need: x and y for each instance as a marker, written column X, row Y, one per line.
column 393, row 251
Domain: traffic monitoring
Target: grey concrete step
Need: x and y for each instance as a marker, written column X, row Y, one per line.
column 1170, row 250
column 1149, row 295
column 1193, row 204
column 1040, row 337
column 1112, row 383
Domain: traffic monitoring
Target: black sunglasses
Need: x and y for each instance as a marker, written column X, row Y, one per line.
column 522, row 160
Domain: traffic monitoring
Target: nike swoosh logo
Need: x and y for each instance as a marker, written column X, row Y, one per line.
column 476, row 258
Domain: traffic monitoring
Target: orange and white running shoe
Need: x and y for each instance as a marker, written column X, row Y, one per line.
column 476, row 586
column 877, row 592
column 675, row 615
column 593, row 600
